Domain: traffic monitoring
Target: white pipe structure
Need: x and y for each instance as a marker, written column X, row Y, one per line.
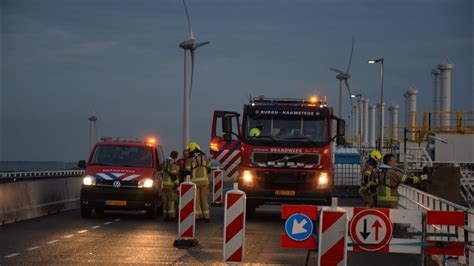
column 436, row 96
column 394, row 121
column 365, row 126
column 356, row 123
column 412, row 111
column 372, row 123
column 445, row 96
column 349, row 118
column 381, row 119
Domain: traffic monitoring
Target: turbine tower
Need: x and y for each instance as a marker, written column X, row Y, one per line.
column 188, row 45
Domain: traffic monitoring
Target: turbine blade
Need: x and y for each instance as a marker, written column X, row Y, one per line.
column 197, row 45
column 337, row 70
column 192, row 72
column 350, row 58
column 348, row 90
column 189, row 20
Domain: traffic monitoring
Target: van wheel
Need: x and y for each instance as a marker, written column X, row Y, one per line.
column 151, row 212
column 159, row 210
column 86, row 212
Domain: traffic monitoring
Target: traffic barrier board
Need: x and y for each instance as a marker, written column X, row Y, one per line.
column 446, row 218
column 371, row 229
column 299, row 226
column 217, row 183
column 332, row 246
column 234, row 223
column 187, row 218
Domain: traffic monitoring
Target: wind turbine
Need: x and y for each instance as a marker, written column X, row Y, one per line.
column 188, row 45
column 344, row 76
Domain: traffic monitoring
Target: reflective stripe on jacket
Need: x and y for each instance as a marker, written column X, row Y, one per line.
column 388, row 180
column 199, row 166
column 170, row 175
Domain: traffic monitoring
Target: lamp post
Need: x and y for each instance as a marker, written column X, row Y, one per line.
column 92, row 130
column 380, row 61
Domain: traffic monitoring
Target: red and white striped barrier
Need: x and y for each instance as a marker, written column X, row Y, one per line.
column 186, row 227
column 217, row 186
column 234, row 223
column 332, row 248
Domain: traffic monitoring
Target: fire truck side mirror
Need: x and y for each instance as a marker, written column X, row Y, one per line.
column 341, row 132
column 227, row 124
column 227, row 137
column 81, row 164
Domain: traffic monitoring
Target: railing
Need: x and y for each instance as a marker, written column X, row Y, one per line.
column 41, row 174
column 412, row 198
column 416, row 159
column 467, row 183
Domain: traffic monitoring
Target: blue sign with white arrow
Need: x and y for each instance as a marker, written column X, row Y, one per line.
column 299, row 227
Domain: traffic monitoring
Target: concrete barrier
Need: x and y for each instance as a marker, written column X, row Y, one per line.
column 32, row 198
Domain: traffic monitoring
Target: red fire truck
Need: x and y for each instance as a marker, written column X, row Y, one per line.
column 282, row 151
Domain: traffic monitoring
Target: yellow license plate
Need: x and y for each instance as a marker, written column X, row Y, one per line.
column 116, row 202
column 285, row 192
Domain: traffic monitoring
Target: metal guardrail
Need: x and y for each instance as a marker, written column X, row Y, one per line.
column 412, row 198
column 11, row 175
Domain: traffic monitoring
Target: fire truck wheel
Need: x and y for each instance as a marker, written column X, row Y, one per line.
column 99, row 211
column 251, row 208
column 86, row 212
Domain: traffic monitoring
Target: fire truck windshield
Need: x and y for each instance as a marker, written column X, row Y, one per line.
column 288, row 130
column 122, row 156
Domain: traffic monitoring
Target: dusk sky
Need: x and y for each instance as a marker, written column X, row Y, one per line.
column 62, row 60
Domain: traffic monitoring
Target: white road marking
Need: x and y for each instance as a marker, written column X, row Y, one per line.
column 11, row 255
column 33, row 248
column 95, row 227
column 52, row 242
column 68, row 236
column 116, row 220
column 107, row 222
column 82, row 231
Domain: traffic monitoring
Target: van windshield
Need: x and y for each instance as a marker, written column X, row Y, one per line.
column 123, row 156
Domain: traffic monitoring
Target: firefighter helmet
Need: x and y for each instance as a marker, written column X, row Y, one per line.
column 376, row 155
column 254, row 132
column 193, row 146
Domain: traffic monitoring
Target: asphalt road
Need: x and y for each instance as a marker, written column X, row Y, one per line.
column 130, row 238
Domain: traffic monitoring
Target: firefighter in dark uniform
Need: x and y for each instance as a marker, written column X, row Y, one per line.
column 388, row 178
column 368, row 188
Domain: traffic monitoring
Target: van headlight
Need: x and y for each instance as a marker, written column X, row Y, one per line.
column 323, row 180
column 247, row 178
column 88, row 181
column 145, row 183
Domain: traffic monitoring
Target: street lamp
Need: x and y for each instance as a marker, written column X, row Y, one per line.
column 92, row 130
column 380, row 61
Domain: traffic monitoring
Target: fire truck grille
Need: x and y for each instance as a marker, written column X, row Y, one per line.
column 285, row 160
column 285, row 180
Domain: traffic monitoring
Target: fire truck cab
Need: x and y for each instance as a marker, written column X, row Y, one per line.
column 282, row 152
column 122, row 174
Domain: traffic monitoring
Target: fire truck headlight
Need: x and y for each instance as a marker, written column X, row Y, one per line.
column 145, row 183
column 323, row 180
column 88, row 181
column 247, row 178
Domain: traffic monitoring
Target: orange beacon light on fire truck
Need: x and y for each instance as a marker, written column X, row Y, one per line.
column 151, row 141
